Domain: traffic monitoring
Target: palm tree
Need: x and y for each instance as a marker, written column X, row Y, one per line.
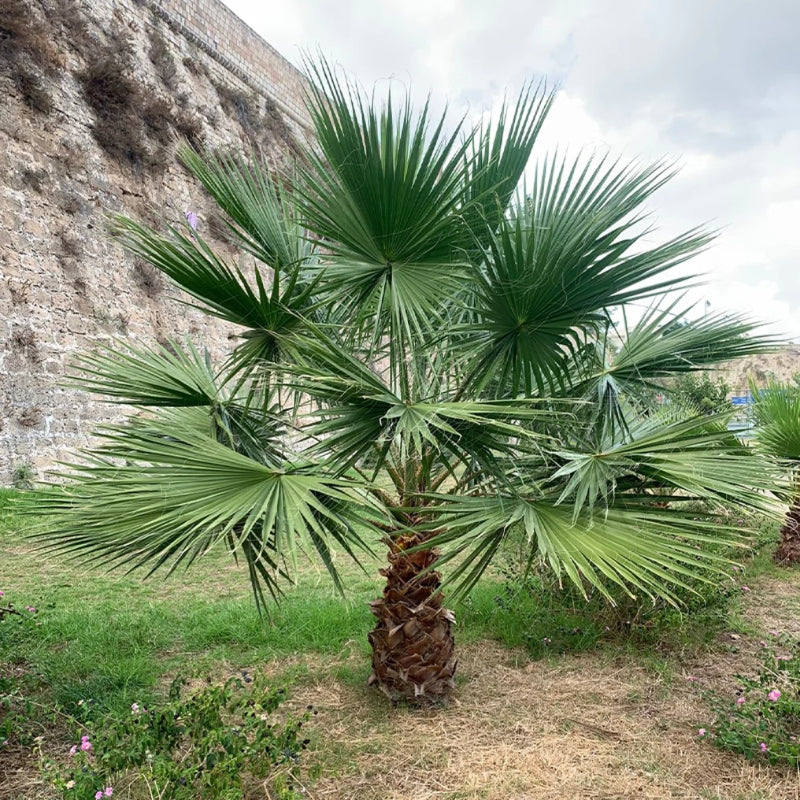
column 776, row 414
column 427, row 355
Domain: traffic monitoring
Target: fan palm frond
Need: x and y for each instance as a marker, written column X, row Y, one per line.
column 162, row 491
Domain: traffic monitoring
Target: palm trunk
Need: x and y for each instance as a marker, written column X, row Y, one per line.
column 788, row 550
column 413, row 650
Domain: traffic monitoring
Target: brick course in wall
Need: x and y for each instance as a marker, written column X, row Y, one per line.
column 215, row 28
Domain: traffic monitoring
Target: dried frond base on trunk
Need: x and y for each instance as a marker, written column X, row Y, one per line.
column 413, row 650
column 788, row 550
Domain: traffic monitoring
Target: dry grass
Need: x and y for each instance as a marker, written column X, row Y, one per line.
column 584, row 726
column 779, row 603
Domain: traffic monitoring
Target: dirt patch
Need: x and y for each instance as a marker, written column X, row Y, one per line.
column 777, row 606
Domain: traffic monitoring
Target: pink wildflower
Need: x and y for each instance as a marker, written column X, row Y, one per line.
column 692, row 678
column 86, row 745
column 134, row 708
column 98, row 795
column 701, row 732
column 773, row 633
column 763, row 747
column 774, row 695
column 73, row 750
column 739, row 701
column 763, row 643
column 31, row 609
column 745, row 588
column 736, row 569
column 1, row 593
column 108, row 791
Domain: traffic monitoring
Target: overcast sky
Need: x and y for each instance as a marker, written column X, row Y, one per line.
column 714, row 84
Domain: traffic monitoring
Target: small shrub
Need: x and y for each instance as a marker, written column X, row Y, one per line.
column 19, row 292
column 71, row 203
column 24, row 340
column 31, row 417
column 132, row 125
column 242, row 106
column 701, row 393
column 161, row 58
column 276, row 125
column 204, row 744
column 32, row 90
column 70, row 245
column 121, row 321
column 112, row 95
column 192, row 66
column 156, row 114
column 190, row 127
column 762, row 722
column 33, row 178
column 23, row 476
column 67, row 15
column 147, row 278
column 24, row 35
column 126, row 116
column 27, row 53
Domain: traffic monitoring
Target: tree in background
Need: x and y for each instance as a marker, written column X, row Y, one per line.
column 701, row 393
column 425, row 358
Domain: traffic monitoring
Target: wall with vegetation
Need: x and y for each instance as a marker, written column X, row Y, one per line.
column 95, row 97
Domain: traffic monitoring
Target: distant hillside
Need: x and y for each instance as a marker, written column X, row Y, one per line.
column 781, row 365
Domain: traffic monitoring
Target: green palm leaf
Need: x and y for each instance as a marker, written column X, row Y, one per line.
column 568, row 252
column 662, row 343
column 695, row 457
column 498, row 156
column 631, row 544
column 264, row 217
column 162, row 376
column 776, row 413
column 179, row 492
column 383, row 196
column 222, row 290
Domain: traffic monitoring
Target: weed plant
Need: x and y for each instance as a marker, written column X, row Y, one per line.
column 205, row 743
column 27, row 54
column 762, row 722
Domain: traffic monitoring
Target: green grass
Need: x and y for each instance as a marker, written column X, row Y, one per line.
column 115, row 638
column 119, row 639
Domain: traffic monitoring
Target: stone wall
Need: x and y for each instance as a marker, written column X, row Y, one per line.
column 65, row 287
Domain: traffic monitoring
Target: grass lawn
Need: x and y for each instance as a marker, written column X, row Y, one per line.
column 554, row 699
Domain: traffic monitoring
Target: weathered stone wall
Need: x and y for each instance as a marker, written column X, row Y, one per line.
column 64, row 285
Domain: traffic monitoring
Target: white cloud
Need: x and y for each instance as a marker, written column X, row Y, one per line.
column 714, row 85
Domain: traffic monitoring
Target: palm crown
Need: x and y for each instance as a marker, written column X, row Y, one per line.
column 428, row 354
